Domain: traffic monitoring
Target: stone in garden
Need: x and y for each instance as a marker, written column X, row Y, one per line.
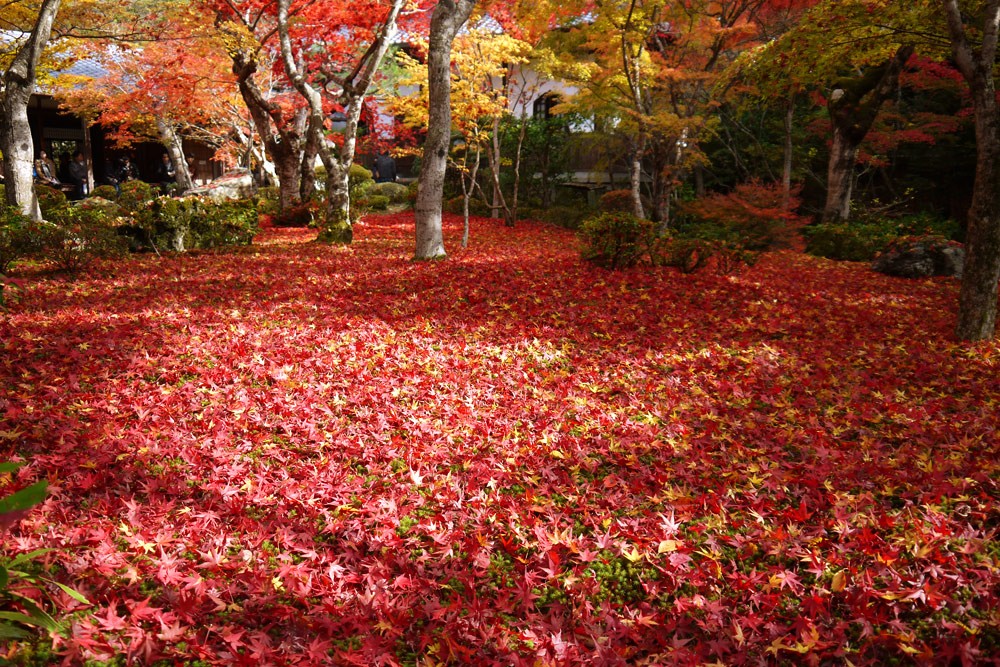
column 231, row 185
column 921, row 258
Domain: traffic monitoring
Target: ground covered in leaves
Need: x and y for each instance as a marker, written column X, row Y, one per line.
column 295, row 454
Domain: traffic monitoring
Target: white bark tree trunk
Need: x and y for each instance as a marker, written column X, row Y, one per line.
column 15, row 133
column 337, row 226
column 446, row 20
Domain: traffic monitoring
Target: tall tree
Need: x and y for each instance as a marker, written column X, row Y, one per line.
column 15, row 132
column 249, row 31
column 974, row 35
column 447, row 19
column 358, row 66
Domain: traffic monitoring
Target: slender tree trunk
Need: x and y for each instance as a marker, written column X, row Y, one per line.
column 853, row 108
column 446, row 20
column 977, row 303
column 786, row 165
column 15, row 132
column 496, row 162
column 635, row 177
column 468, row 186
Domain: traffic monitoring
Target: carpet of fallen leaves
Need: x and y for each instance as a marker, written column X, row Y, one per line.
column 294, row 454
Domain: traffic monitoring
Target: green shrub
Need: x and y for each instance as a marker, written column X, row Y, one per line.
column 225, row 223
column 105, row 192
column 395, row 192
column 377, row 202
column 79, row 237
column 616, row 240
column 20, row 236
column 853, row 242
column 861, row 239
column 49, row 199
column 135, row 195
column 359, row 181
column 570, row 217
column 101, row 206
column 411, row 192
column 268, row 201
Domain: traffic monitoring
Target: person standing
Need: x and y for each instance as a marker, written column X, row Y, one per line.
column 78, row 175
column 385, row 168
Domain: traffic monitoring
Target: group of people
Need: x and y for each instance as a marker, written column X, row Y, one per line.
column 46, row 173
column 74, row 178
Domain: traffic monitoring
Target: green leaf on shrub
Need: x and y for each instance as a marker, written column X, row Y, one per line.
column 24, row 499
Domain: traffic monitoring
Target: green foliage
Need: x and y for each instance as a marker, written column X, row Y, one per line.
column 860, row 240
column 105, row 192
column 22, row 574
column 192, row 223
column 376, row 202
column 411, row 193
column 223, row 223
column 78, row 237
column 20, row 237
column 135, row 195
column 106, row 207
column 395, row 192
column 616, row 240
column 359, row 181
column 570, row 217
column 853, row 242
column 49, row 199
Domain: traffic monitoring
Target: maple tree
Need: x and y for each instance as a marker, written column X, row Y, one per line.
column 161, row 90
column 447, row 18
column 653, row 79
column 366, row 43
column 18, row 84
column 527, row 463
column 482, row 66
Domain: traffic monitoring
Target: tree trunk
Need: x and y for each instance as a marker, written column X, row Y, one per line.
column 977, row 309
column 15, row 132
column 853, row 107
column 448, row 17
column 977, row 303
column 283, row 143
column 337, row 227
column 786, row 164
column 175, row 149
column 635, row 178
column 840, row 177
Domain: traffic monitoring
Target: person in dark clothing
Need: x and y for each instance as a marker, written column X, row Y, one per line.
column 166, row 174
column 78, row 176
column 385, row 168
column 127, row 171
